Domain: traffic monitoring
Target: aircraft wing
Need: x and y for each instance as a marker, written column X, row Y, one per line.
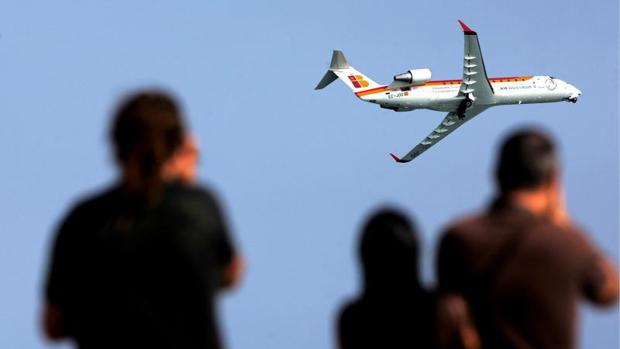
column 450, row 123
column 475, row 79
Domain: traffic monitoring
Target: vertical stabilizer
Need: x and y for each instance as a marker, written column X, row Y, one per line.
column 338, row 61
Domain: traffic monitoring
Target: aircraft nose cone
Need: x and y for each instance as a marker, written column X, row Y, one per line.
column 574, row 93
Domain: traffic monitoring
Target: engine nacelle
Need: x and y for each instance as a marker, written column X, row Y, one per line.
column 414, row 77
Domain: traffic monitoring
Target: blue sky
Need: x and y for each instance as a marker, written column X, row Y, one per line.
column 297, row 169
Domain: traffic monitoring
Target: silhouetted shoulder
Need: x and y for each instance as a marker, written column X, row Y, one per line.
column 352, row 326
column 191, row 191
column 198, row 208
column 193, row 202
column 88, row 206
column 576, row 235
column 408, row 322
column 94, row 200
column 466, row 221
column 569, row 243
column 460, row 233
column 70, row 236
column 350, row 312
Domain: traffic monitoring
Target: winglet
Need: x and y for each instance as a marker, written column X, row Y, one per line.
column 396, row 158
column 466, row 29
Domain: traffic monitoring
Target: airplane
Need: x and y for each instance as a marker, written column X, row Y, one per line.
column 461, row 99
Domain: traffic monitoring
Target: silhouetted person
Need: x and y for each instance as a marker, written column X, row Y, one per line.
column 139, row 264
column 393, row 310
column 522, row 265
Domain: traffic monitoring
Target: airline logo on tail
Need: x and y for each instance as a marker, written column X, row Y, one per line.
column 358, row 81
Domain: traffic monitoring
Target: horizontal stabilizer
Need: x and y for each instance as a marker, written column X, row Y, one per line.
column 328, row 78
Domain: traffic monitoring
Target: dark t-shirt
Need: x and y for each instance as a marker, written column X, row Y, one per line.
column 388, row 323
column 522, row 276
column 126, row 275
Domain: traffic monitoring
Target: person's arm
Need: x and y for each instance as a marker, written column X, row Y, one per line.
column 557, row 211
column 601, row 276
column 598, row 275
column 232, row 272
column 607, row 292
column 183, row 166
column 229, row 262
column 455, row 327
column 451, row 264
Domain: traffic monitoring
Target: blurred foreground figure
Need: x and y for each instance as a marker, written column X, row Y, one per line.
column 394, row 311
column 521, row 265
column 139, row 264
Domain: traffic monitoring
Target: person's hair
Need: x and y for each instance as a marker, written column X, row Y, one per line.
column 389, row 253
column 527, row 160
column 146, row 130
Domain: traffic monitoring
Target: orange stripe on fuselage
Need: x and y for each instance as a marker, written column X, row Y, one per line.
column 371, row 91
column 445, row 82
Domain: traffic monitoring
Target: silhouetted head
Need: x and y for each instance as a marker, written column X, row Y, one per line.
column 527, row 161
column 389, row 254
column 146, row 131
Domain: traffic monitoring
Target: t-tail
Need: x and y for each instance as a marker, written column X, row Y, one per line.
column 340, row 68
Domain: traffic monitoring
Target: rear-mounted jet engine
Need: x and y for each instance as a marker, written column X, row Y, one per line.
column 412, row 77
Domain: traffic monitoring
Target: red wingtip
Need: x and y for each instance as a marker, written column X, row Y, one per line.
column 396, row 158
column 466, row 29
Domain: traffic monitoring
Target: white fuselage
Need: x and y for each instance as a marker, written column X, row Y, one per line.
column 444, row 95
